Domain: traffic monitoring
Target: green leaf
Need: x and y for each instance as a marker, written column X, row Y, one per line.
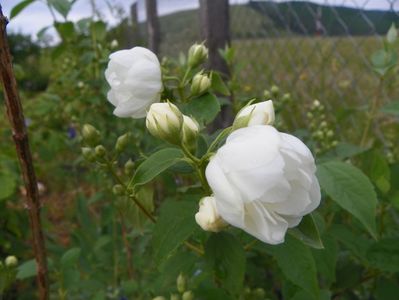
column 27, row 269
column 392, row 34
column 351, row 189
column 384, row 255
column 66, row 30
column 375, row 165
column 307, row 232
column 175, row 224
column 218, row 85
column 155, row 165
column 99, row 30
column 297, row 264
column 326, row 259
column 19, row 7
column 226, row 257
column 61, row 6
column 204, row 108
column 302, row 295
column 391, row 108
column 383, row 61
column 7, row 184
column 70, row 257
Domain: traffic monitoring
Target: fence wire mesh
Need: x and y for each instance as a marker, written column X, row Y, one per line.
column 313, row 49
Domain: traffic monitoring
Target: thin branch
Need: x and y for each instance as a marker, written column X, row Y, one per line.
column 19, row 132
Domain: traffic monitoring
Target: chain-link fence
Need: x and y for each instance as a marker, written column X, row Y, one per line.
column 312, row 49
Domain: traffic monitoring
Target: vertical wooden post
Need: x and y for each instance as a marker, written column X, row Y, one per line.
column 20, row 135
column 153, row 30
column 215, row 30
column 135, row 32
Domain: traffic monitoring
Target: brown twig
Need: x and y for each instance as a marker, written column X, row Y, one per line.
column 17, row 121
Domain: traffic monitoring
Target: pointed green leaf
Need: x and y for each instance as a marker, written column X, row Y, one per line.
column 218, row 84
column 155, row 165
column 204, row 108
column 307, row 232
column 20, row 7
column 351, row 189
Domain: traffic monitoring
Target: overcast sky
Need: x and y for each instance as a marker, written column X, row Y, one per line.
column 36, row 16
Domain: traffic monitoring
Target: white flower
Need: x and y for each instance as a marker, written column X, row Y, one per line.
column 263, row 182
column 165, row 121
column 256, row 114
column 207, row 217
column 135, row 79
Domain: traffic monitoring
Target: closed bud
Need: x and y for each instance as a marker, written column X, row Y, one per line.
column 197, row 54
column 88, row 154
column 330, row 134
column 275, row 90
column 174, row 297
column 90, row 134
column 255, row 114
column 188, row 295
column 208, row 217
column 267, row 94
column 159, row 298
column 118, row 190
column 11, row 261
column 100, row 151
column 200, row 84
column 122, row 142
column 190, row 132
column 181, row 283
column 286, row 97
column 259, row 293
column 129, row 167
column 165, row 121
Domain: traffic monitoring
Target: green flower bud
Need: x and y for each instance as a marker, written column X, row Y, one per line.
column 330, row 134
column 190, row 130
column 181, row 283
column 122, row 142
column 309, row 115
column 323, row 124
column 11, row 261
column 129, row 167
column 259, row 293
column 159, row 298
column 334, row 144
column 165, row 121
column 88, row 154
column 174, row 297
column 90, row 134
column 275, row 90
column 188, row 295
column 197, row 54
column 267, row 95
column 316, row 103
column 100, row 151
column 286, row 97
column 118, row 190
column 200, row 84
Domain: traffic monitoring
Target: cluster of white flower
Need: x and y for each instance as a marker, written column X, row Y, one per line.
column 263, row 181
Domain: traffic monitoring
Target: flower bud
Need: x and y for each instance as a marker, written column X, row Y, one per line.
column 275, row 90
column 129, row 167
column 114, row 44
column 164, row 120
column 207, row 217
column 159, row 298
column 100, row 151
column 190, row 132
column 88, row 154
column 90, row 134
column 259, row 293
column 122, row 142
column 255, row 114
column 197, row 54
column 267, row 94
column 11, row 261
column 286, row 97
column 181, row 283
column 118, row 190
column 200, row 84
column 174, row 297
column 188, row 295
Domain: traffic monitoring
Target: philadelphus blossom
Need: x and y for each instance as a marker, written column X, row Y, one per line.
column 135, row 79
column 263, row 182
column 256, row 114
column 207, row 217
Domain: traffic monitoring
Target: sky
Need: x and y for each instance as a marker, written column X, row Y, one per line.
column 37, row 16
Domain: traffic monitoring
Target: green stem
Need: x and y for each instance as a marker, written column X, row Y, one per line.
column 220, row 137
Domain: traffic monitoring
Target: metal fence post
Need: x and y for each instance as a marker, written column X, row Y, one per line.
column 153, row 30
